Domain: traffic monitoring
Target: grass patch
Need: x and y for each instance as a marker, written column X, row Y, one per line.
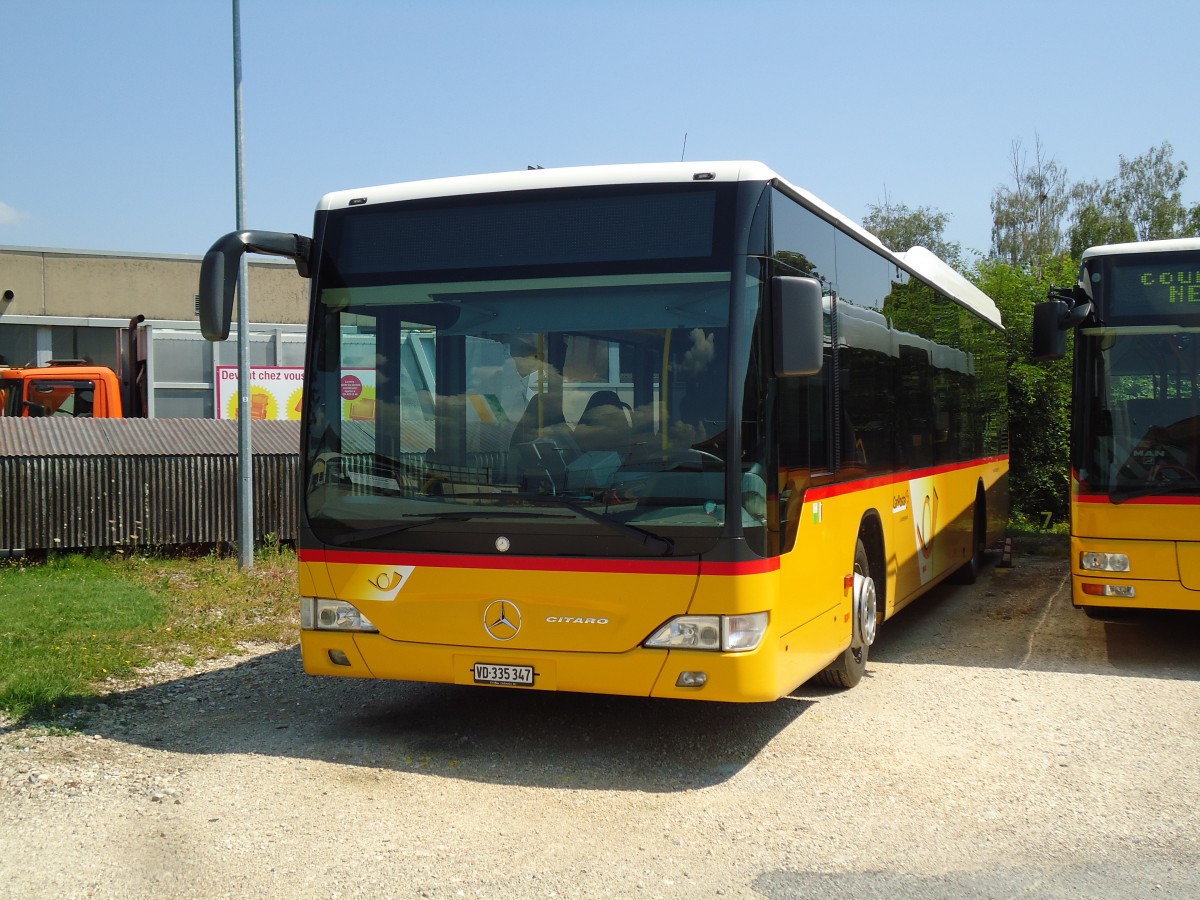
column 1020, row 523
column 1039, row 539
column 72, row 622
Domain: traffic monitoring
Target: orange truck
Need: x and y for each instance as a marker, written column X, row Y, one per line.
column 62, row 388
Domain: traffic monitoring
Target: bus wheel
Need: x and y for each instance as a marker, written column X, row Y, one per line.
column 847, row 670
column 969, row 571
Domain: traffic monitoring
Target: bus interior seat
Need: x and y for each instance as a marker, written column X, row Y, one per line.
column 604, row 423
column 542, row 413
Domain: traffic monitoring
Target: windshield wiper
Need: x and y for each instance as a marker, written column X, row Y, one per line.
column 1152, row 490
column 367, row 534
column 647, row 539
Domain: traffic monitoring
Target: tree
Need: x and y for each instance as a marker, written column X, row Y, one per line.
column 1142, row 203
column 1039, row 394
column 1095, row 220
column 1027, row 217
column 1147, row 189
column 900, row 228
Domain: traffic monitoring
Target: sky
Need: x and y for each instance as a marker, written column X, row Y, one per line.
column 118, row 115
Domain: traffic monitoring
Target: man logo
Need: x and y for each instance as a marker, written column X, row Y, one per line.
column 502, row 620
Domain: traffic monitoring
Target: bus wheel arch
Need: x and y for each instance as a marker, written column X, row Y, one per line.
column 867, row 607
column 870, row 532
column 969, row 571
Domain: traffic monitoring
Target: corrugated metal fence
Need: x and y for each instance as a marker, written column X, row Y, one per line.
column 74, row 484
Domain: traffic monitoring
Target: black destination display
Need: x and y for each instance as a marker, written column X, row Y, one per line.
column 1154, row 287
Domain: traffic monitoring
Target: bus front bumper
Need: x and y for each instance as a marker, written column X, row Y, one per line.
column 639, row 672
column 1174, row 565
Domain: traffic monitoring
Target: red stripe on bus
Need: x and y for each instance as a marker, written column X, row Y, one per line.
column 757, row 567
column 540, row 564
column 1144, row 501
column 826, row 491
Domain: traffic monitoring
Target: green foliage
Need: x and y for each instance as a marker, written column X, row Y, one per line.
column 1032, row 250
column 1096, row 223
column 1147, row 188
column 73, row 622
column 1143, row 202
column 1027, row 215
column 900, row 228
column 67, row 624
column 1039, row 394
column 1022, row 524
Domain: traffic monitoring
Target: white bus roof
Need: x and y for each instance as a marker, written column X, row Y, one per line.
column 931, row 268
column 921, row 262
column 1165, row 246
column 541, row 179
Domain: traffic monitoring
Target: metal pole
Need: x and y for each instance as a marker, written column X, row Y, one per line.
column 245, row 498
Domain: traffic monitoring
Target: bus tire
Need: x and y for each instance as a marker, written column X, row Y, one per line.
column 847, row 670
column 969, row 571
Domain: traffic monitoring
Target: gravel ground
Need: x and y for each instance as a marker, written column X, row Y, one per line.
column 1002, row 745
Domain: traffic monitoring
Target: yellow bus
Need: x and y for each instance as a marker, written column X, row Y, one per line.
column 1135, row 432
column 671, row 430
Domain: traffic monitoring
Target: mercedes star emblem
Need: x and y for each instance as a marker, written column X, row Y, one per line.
column 502, row 620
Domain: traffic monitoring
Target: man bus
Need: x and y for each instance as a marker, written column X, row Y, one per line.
column 675, row 430
column 1135, row 425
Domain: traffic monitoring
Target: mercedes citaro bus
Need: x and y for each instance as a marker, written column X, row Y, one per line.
column 671, row 430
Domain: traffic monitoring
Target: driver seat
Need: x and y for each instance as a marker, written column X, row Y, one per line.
column 605, row 423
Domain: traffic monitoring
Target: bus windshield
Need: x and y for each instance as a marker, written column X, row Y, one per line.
column 1140, row 423
column 556, row 406
column 1138, row 415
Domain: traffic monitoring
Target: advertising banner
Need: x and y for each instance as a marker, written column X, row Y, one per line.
column 275, row 392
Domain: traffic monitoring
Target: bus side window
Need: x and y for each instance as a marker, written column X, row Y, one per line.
column 914, row 425
column 802, row 414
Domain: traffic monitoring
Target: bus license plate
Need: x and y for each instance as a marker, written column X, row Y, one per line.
column 491, row 673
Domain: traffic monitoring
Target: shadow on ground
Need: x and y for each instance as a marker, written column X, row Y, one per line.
column 1021, row 617
column 266, row 705
column 1017, row 618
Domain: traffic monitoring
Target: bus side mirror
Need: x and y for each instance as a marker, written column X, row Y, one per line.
column 219, row 272
column 1052, row 319
column 1049, row 341
column 799, row 325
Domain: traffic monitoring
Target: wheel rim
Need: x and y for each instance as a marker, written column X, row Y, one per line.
column 865, row 608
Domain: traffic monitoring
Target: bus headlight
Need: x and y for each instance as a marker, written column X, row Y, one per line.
column 1094, row 561
column 727, row 633
column 320, row 614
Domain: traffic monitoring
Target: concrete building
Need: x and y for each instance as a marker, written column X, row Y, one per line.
column 77, row 304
